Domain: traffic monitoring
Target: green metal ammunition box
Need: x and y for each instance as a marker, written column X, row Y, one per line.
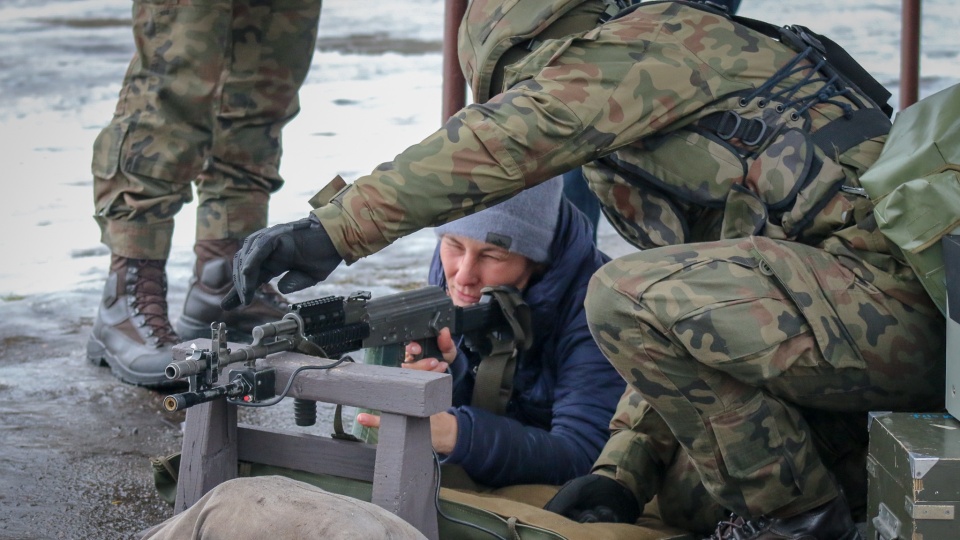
column 914, row 477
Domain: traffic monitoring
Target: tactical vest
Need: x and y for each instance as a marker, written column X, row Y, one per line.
column 490, row 29
column 773, row 168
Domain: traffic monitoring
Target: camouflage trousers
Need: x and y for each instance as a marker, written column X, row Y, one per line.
column 643, row 454
column 204, row 100
column 727, row 340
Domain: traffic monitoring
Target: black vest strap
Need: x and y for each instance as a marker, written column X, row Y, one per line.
column 730, row 125
column 800, row 37
column 844, row 133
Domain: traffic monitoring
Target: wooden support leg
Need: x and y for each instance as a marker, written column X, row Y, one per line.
column 404, row 481
column 209, row 455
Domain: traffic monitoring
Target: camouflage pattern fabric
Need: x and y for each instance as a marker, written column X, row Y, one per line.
column 716, row 338
column 765, row 281
column 620, row 92
column 204, row 100
column 644, row 455
column 496, row 33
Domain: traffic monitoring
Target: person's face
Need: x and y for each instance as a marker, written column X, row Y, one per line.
column 470, row 265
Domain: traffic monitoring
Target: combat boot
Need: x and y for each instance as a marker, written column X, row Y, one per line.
column 830, row 521
column 212, row 279
column 132, row 332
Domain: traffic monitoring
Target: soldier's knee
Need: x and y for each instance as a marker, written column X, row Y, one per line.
column 606, row 306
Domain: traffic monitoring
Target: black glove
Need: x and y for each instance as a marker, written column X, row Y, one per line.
column 302, row 249
column 594, row 498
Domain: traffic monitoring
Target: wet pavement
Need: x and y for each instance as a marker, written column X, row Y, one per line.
column 76, row 441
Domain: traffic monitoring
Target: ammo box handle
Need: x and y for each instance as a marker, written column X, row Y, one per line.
column 886, row 524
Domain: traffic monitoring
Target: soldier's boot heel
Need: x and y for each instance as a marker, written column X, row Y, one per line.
column 830, row 521
column 211, row 281
column 189, row 328
column 96, row 352
column 853, row 534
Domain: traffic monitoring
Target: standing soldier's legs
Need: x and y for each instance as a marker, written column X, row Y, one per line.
column 270, row 54
column 143, row 164
column 723, row 339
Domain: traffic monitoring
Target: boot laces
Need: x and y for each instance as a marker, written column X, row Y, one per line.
column 271, row 296
column 150, row 300
column 737, row 528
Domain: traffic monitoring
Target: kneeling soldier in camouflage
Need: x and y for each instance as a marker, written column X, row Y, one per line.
column 729, row 152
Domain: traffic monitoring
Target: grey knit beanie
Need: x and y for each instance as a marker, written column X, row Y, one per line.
column 523, row 224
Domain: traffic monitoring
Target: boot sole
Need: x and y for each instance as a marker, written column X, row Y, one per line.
column 853, row 534
column 99, row 356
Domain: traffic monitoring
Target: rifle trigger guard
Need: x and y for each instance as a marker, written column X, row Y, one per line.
column 435, row 322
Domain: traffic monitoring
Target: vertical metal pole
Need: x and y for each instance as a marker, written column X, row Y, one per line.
column 454, row 86
column 909, row 53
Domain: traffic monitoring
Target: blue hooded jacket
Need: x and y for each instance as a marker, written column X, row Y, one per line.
column 565, row 391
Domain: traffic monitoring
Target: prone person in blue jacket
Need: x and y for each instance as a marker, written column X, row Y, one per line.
column 565, row 391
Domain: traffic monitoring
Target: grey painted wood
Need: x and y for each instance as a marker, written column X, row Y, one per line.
column 306, row 452
column 400, row 466
column 403, row 479
column 412, row 392
column 209, row 453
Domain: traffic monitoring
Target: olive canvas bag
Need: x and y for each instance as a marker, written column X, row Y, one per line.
column 915, row 185
column 513, row 513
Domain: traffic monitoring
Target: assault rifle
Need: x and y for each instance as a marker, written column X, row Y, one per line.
column 331, row 326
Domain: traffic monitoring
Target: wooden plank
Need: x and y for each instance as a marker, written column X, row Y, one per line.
column 411, row 392
column 402, row 472
column 306, row 452
column 408, row 392
column 404, row 481
column 209, row 454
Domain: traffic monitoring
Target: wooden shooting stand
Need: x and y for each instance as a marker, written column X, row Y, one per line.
column 401, row 473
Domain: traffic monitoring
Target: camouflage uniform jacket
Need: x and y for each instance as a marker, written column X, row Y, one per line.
column 626, row 98
column 633, row 99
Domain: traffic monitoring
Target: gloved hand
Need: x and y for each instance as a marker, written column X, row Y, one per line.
column 594, row 498
column 302, row 249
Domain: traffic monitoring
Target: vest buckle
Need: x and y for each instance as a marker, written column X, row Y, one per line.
column 722, row 125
